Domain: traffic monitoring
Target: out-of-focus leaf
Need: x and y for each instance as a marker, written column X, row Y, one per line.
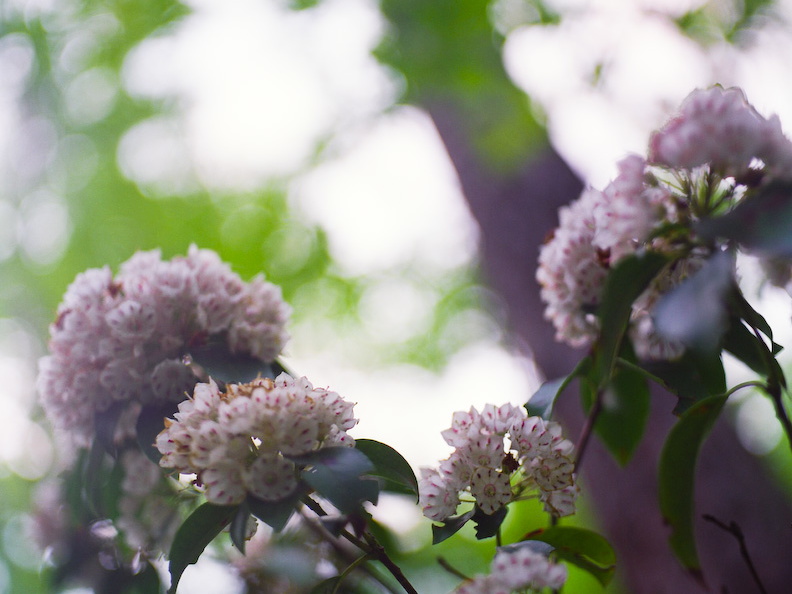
column 390, row 466
column 328, row 586
column 677, row 477
column 625, row 283
column 745, row 346
column 625, row 408
column 150, row 423
column 693, row 377
column 276, row 514
column 230, row 368
column 761, row 223
column 105, row 426
column 583, row 548
column 335, row 473
column 146, row 582
column 193, row 536
column 450, row 527
column 695, row 313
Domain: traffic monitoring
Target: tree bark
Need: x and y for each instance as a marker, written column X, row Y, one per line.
column 515, row 214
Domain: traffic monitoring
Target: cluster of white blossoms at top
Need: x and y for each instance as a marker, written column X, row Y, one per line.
column 537, row 456
column 240, row 441
column 715, row 143
column 517, row 570
column 122, row 338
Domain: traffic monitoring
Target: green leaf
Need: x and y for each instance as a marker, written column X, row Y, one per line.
column 193, row 536
column 222, row 365
column 276, row 514
column 693, row 377
column 105, row 427
column 145, row 582
column 745, row 346
column 239, row 526
column 583, row 548
column 328, row 586
column 487, row 525
column 390, row 466
column 542, row 401
column 335, row 473
column 625, row 283
column 677, row 476
column 694, row 312
column 150, row 423
column 625, row 408
column 761, row 222
column 450, row 527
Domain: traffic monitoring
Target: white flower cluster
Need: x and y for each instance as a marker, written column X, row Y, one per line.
column 240, row 441
column 517, row 570
column 716, row 136
column 482, row 464
column 122, row 339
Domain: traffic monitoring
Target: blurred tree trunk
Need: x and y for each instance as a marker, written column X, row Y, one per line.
column 515, row 214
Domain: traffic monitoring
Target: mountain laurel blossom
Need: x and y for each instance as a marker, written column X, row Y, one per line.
column 240, row 441
column 120, row 340
column 516, row 570
column 485, row 465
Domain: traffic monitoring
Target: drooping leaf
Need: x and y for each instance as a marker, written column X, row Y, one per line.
column 239, row 526
column 625, row 408
column 150, row 423
column 276, row 514
column 761, row 222
column 390, row 466
column 625, row 283
column 542, row 402
column 193, row 536
column 450, row 527
column 695, row 312
column 677, row 476
column 581, row 547
column 487, row 525
column 745, row 346
column 336, row 474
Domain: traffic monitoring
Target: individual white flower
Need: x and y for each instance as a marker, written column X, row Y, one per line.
column 491, row 489
column 438, row 496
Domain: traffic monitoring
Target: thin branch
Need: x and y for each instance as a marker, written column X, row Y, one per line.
column 451, row 569
column 588, row 427
column 734, row 529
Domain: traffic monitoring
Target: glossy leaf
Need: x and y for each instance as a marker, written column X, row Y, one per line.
column 450, row 527
column 762, row 223
column 487, row 525
column 625, row 283
column 542, row 402
column 390, row 466
column 695, row 313
column 625, row 408
column 193, row 536
column 581, row 547
column 336, row 474
column 677, row 476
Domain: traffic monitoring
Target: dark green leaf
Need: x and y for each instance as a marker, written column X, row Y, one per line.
column 625, row 408
column 583, row 548
column 390, row 466
column 693, row 377
column 625, row 283
column 239, row 527
column 745, row 346
column 450, row 527
column 694, row 313
column 92, row 480
column 145, row 582
column 677, row 474
column 487, row 525
column 275, row 513
column 150, row 423
column 328, row 586
column 193, row 536
column 335, row 473
column 542, row 402
column 761, row 222
column 222, row 365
